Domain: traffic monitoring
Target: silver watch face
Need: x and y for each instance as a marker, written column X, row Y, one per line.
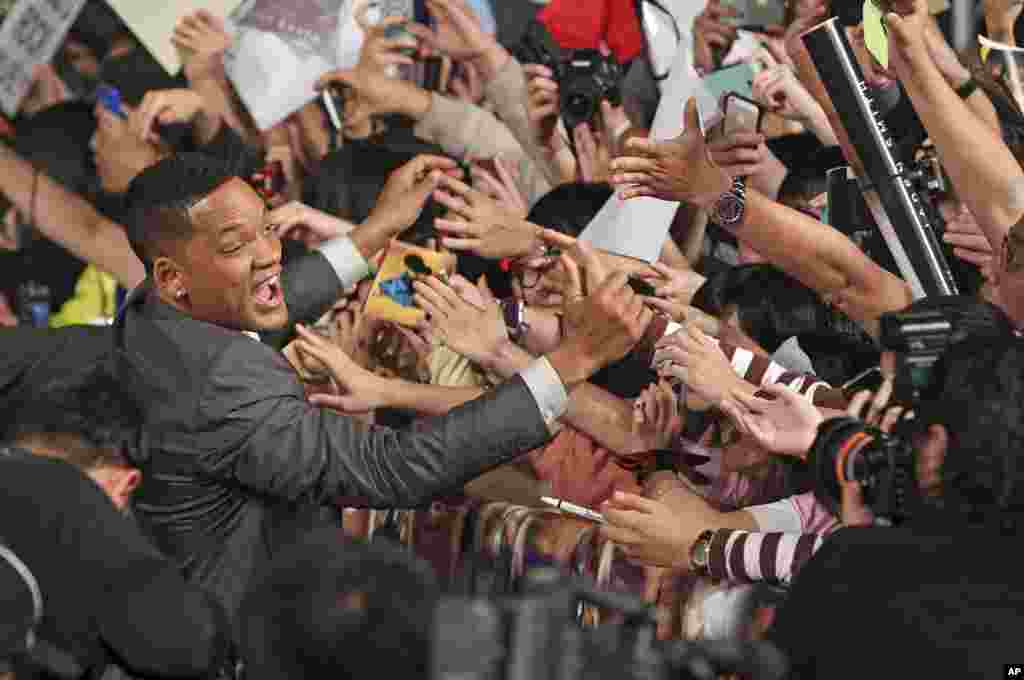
column 729, row 209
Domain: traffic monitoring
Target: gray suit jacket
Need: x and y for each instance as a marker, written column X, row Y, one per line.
column 236, row 461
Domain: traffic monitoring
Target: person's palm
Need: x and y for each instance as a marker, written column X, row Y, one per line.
column 472, row 331
column 786, row 424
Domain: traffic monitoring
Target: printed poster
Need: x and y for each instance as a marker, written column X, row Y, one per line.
column 31, row 32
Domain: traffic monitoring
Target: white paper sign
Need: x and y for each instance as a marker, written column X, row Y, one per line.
column 31, row 34
column 638, row 227
column 153, row 22
column 282, row 47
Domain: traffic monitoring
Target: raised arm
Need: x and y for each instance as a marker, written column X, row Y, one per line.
column 68, row 219
column 817, row 255
column 985, row 173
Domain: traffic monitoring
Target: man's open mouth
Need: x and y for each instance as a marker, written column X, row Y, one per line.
column 268, row 293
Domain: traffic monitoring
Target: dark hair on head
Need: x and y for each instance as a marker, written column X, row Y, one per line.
column 569, row 208
column 800, row 186
column 160, row 197
column 978, row 395
column 56, row 140
column 89, row 415
column 772, row 307
column 331, row 608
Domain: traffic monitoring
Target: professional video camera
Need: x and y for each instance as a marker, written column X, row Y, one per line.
column 536, row 638
column 847, row 449
column 585, row 77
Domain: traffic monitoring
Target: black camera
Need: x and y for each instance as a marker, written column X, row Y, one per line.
column 849, row 450
column 585, row 77
column 588, row 78
column 918, row 339
column 537, row 637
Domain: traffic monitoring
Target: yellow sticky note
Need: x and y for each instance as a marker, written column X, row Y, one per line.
column 875, row 37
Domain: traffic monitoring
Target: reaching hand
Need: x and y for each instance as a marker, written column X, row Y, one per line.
column 653, row 533
column 806, row 14
column 786, row 424
column 542, row 107
column 592, row 154
column 713, row 33
column 603, row 320
column 407, row 190
column 479, row 224
column 474, row 332
column 686, row 315
column 380, row 53
column 165, row 107
column 696, row 359
column 309, row 225
column 680, row 169
column 457, row 30
column 468, row 86
column 501, row 186
column 201, row 40
column 781, row 91
column 361, row 391
column 676, row 286
column 908, row 42
column 656, row 419
column 741, row 154
column 968, row 240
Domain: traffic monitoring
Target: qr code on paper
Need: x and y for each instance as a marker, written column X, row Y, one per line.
column 32, row 32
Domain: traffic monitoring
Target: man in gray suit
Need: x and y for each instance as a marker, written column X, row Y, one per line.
column 236, row 460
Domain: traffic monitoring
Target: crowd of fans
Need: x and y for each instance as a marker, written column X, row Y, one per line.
column 206, row 385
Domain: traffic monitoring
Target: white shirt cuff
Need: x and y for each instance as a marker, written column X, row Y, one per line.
column 547, row 389
column 778, row 516
column 347, row 262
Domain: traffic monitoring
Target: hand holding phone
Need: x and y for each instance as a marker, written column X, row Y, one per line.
column 740, row 114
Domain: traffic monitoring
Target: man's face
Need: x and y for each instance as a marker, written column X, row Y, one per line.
column 230, row 269
column 118, row 152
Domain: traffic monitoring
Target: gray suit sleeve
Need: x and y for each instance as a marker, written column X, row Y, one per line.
column 261, row 433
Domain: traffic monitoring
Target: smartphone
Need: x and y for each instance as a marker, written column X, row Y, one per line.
column 871, row 379
column 738, row 78
column 759, row 14
column 332, row 100
column 740, row 114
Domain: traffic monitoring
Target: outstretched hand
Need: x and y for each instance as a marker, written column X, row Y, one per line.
column 407, row 190
column 479, row 224
column 679, row 169
column 785, row 424
column 474, row 332
column 360, row 390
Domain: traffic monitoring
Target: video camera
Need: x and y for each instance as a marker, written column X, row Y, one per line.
column 536, row 637
column 847, row 449
column 585, row 77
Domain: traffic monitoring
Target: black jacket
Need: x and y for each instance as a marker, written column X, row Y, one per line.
column 237, row 460
column 108, row 596
column 905, row 603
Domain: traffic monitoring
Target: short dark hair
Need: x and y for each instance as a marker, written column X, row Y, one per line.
column 89, row 413
column 329, row 607
column 979, row 398
column 569, row 208
column 773, row 307
column 160, row 197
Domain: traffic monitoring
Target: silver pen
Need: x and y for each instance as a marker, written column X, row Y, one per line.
column 573, row 509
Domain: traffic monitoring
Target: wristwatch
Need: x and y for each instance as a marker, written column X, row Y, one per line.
column 700, row 552
column 730, row 208
column 514, row 312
